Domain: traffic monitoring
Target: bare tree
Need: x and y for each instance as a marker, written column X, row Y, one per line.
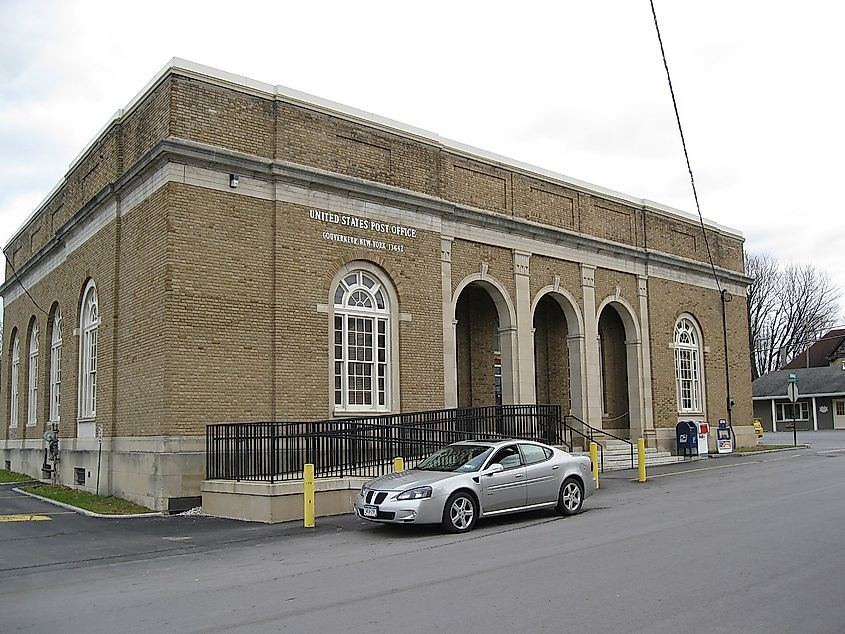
column 789, row 307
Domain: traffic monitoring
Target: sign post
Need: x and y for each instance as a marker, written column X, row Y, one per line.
column 792, row 393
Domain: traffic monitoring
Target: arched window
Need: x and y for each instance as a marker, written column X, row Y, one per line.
column 89, row 319
column 361, row 343
column 13, row 381
column 56, row 366
column 688, row 366
column 32, row 401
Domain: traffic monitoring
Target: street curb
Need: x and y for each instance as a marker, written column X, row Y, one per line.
column 757, row 453
column 86, row 511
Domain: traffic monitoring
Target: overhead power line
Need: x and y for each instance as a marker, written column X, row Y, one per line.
column 19, row 281
column 684, row 144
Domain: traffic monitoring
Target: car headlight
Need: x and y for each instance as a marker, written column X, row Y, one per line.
column 415, row 494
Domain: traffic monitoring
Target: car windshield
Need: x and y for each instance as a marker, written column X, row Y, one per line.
column 463, row 458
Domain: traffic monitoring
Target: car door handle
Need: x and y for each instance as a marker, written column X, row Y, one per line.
column 557, row 466
column 518, row 475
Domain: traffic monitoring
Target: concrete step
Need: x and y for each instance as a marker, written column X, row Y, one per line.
column 618, row 460
column 663, row 457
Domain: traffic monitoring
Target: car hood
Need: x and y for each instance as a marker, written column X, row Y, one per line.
column 409, row 479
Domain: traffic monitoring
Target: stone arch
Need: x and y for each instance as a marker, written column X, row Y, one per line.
column 465, row 375
column 632, row 342
column 574, row 350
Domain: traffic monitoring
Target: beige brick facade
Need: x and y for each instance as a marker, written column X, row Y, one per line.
column 216, row 302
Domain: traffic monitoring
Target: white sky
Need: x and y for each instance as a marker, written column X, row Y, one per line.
column 571, row 86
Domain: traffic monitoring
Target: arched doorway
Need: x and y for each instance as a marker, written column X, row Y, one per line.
column 559, row 351
column 483, row 340
column 551, row 354
column 613, row 366
column 620, row 353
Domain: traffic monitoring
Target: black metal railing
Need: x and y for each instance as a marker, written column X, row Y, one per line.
column 574, row 425
column 278, row 451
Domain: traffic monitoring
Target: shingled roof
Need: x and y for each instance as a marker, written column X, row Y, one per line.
column 811, row 382
column 825, row 350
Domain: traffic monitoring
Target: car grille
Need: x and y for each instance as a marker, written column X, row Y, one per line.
column 376, row 497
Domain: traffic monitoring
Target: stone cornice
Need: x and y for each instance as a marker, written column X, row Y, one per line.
column 231, row 81
column 184, row 151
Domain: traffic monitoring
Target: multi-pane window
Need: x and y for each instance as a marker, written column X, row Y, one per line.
column 13, row 379
column 792, row 411
column 89, row 320
column 687, row 366
column 56, row 367
column 32, row 401
column 361, row 350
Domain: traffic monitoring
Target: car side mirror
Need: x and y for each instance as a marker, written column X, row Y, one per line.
column 494, row 468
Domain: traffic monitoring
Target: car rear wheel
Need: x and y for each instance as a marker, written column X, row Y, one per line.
column 460, row 513
column 571, row 497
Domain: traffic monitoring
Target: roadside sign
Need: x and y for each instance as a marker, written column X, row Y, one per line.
column 100, row 434
column 792, row 391
column 793, row 378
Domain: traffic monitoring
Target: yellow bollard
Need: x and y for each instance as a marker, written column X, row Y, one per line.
column 398, row 465
column 594, row 457
column 641, row 459
column 309, row 496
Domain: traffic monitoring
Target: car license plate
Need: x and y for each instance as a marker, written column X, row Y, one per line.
column 370, row 511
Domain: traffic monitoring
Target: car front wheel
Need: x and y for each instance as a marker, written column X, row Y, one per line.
column 460, row 513
column 571, row 497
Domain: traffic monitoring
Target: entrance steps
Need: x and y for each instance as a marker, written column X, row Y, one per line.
column 617, row 456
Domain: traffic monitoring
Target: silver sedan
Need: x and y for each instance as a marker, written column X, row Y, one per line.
column 458, row 484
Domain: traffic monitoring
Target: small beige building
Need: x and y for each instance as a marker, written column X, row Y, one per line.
column 226, row 250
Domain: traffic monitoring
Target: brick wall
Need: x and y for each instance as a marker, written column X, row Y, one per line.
column 667, row 301
column 200, row 111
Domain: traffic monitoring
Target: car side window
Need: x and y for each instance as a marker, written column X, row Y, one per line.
column 534, row 454
column 508, row 457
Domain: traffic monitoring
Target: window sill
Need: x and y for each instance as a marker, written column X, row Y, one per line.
column 349, row 413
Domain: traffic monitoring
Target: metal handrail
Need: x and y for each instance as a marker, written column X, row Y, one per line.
column 596, row 431
column 587, row 438
column 275, row 451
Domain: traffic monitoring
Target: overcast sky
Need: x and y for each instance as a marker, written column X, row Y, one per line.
column 571, row 86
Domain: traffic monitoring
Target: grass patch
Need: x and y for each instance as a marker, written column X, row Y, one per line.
column 763, row 448
column 107, row 505
column 12, row 476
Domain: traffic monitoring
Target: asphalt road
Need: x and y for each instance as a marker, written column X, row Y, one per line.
column 734, row 544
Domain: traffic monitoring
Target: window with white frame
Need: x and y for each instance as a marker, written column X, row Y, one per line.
column 792, row 411
column 56, row 367
column 32, row 401
column 361, row 344
column 688, row 366
column 89, row 319
column 13, row 379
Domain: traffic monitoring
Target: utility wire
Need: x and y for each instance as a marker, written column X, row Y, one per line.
column 18, row 278
column 684, row 144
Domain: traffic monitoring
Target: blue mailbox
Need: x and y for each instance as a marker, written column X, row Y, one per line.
column 686, row 437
